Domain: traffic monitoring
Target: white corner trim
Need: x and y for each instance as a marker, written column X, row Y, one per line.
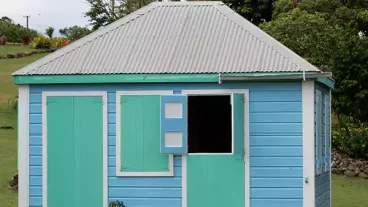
column 23, row 146
column 103, row 94
column 184, row 181
column 308, row 144
column 119, row 173
column 246, row 140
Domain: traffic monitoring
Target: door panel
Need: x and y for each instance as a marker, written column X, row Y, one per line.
column 215, row 181
column 60, row 153
column 218, row 180
column 74, row 155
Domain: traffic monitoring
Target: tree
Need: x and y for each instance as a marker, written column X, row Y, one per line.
column 104, row 12
column 255, row 11
column 75, row 32
column 14, row 32
column 6, row 19
column 326, row 33
column 282, row 6
column 50, row 31
column 309, row 35
column 350, row 96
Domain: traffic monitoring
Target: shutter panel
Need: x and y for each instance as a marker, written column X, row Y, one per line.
column 174, row 124
column 328, row 133
column 319, row 157
column 238, row 124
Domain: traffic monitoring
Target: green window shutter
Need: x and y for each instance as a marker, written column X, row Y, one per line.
column 140, row 135
column 238, row 124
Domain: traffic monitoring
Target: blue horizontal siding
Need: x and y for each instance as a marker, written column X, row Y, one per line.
column 276, row 202
column 276, row 172
column 144, row 202
column 276, row 183
column 276, row 161
column 275, row 146
column 272, row 140
column 279, row 193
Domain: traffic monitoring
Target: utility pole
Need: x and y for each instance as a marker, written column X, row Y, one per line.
column 27, row 16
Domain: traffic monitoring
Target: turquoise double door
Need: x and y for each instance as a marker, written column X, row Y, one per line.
column 74, row 151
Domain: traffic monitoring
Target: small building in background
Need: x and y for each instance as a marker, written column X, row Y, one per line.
column 179, row 104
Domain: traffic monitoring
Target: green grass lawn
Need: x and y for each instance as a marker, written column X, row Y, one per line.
column 8, row 138
column 349, row 192
column 14, row 49
column 346, row 192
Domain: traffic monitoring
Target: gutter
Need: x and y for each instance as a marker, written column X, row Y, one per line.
column 303, row 76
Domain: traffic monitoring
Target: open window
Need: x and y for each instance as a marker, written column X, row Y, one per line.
column 202, row 124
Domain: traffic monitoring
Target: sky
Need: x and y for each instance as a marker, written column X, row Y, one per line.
column 43, row 13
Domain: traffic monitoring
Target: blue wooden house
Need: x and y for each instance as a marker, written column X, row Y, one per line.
column 179, row 104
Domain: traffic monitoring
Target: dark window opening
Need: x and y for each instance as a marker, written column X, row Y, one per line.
column 209, row 124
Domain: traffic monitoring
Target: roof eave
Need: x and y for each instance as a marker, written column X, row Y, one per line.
column 173, row 78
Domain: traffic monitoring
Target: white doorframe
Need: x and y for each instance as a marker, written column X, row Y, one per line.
column 102, row 94
column 246, row 141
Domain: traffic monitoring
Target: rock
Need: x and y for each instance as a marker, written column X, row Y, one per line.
column 333, row 164
column 366, row 170
column 6, row 127
column 350, row 173
column 335, row 171
column 13, row 183
column 357, row 170
column 11, row 56
column 363, row 175
column 350, row 167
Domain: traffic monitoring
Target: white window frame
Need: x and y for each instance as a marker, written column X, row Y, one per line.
column 102, row 94
column 119, row 173
column 223, row 92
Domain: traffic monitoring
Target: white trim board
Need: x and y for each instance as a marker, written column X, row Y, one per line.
column 246, row 141
column 308, row 144
column 103, row 94
column 184, row 181
column 23, row 146
column 170, row 172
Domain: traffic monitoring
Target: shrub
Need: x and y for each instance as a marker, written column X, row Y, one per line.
column 60, row 42
column 42, row 42
column 3, row 40
column 25, row 39
column 352, row 141
column 117, row 204
column 13, row 102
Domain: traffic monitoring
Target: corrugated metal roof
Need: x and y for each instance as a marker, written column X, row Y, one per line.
column 173, row 37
